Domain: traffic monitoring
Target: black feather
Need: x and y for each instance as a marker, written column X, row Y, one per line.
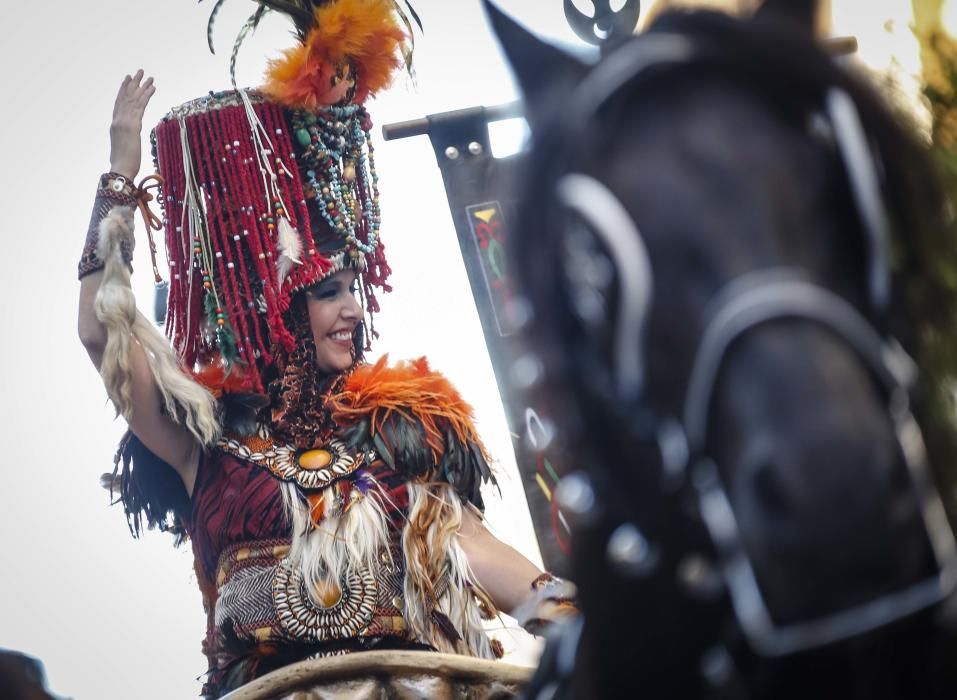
column 356, row 436
column 465, row 468
column 442, row 621
column 209, row 25
column 241, row 412
column 150, row 490
column 301, row 14
column 410, row 448
column 249, row 26
column 384, row 451
column 415, row 15
column 484, row 471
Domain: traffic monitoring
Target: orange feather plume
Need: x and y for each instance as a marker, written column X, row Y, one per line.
column 362, row 34
column 413, row 390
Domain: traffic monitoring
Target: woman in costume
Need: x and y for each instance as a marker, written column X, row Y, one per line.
column 332, row 505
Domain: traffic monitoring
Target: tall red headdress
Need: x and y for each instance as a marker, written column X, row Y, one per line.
column 268, row 192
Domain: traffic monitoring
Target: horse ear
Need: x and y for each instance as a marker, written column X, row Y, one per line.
column 801, row 14
column 539, row 67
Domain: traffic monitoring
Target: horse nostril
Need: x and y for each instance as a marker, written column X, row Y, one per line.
column 765, row 472
column 770, row 487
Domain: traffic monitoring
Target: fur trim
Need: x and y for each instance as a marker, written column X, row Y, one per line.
column 363, row 34
column 430, row 549
column 185, row 401
column 343, row 543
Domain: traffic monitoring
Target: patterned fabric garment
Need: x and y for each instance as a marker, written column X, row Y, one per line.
column 359, row 564
column 240, row 534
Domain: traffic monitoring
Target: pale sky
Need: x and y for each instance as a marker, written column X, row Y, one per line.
column 109, row 616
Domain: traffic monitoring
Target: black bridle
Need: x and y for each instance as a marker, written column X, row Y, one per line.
column 746, row 303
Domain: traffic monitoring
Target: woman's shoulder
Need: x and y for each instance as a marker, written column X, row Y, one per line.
column 417, row 422
column 409, row 383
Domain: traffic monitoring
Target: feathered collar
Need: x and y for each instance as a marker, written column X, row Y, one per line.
column 416, row 421
column 407, row 415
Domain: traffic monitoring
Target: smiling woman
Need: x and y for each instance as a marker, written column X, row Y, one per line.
column 332, row 506
column 335, row 315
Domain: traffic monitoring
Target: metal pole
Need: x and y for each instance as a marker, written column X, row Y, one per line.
column 423, row 126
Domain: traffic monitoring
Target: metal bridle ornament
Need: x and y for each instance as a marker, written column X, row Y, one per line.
column 605, row 23
column 744, row 304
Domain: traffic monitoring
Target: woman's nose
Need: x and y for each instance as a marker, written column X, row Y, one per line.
column 352, row 309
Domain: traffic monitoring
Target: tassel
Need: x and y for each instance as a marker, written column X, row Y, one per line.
column 290, row 248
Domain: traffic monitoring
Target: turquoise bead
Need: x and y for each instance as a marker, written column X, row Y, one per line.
column 302, row 135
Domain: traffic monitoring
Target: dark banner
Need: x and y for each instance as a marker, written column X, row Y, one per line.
column 481, row 191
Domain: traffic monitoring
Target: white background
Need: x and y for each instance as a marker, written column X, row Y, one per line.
column 109, row 616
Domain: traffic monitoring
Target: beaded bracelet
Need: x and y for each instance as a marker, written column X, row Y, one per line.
column 113, row 190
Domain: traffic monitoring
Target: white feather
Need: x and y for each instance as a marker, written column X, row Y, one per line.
column 290, row 249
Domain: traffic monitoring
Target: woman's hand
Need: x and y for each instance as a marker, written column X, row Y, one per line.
column 127, row 127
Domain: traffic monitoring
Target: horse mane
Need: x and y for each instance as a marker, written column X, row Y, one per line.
column 791, row 72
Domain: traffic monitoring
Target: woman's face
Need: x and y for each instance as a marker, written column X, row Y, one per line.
column 334, row 313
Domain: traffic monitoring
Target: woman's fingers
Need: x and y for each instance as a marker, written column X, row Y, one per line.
column 126, row 130
column 144, row 93
column 133, row 96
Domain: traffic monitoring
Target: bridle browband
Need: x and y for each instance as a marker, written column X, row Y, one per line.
column 748, row 302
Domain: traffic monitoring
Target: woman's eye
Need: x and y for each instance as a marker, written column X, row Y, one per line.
column 324, row 292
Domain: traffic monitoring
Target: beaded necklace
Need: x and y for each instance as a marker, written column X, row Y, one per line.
column 341, row 174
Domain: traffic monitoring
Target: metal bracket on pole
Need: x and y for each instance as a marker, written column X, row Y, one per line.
column 423, row 126
column 604, row 24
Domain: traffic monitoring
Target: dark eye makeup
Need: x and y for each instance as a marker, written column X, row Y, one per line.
column 325, row 290
column 331, row 288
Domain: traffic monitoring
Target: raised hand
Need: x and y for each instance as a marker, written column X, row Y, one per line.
column 127, row 126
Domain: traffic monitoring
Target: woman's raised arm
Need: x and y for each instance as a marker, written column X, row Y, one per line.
column 108, row 322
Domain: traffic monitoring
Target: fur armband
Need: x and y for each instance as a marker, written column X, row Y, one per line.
column 184, row 400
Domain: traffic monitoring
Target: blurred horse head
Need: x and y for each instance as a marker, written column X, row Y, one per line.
column 729, row 246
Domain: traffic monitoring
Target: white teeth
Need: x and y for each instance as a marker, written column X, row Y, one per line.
column 341, row 335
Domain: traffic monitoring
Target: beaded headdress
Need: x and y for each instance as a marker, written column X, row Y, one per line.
column 267, row 192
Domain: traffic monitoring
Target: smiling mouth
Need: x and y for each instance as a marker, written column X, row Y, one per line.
column 341, row 336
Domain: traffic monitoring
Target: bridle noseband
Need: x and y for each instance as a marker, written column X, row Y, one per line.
column 746, row 303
